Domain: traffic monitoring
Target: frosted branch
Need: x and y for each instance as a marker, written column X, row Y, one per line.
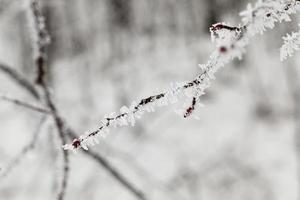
column 291, row 44
column 41, row 38
column 230, row 42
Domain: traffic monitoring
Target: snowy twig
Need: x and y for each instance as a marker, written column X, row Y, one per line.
column 230, row 41
column 42, row 42
column 41, row 38
column 23, row 104
column 291, row 44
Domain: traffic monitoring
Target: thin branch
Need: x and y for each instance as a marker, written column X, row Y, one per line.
column 29, row 147
column 41, row 45
column 230, row 41
column 20, row 80
column 23, row 104
column 41, row 52
column 115, row 173
column 42, row 39
column 101, row 160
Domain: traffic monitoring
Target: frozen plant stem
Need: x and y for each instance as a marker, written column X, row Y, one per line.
column 20, row 80
column 230, row 42
column 41, row 44
column 23, row 104
column 101, row 160
column 42, row 41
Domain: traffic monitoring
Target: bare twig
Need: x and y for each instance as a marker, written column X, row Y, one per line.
column 20, row 80
column 42, row 37
column 29, row 147
column 23, row 104
column 115, row 173
column 97, row 157
column 41, row 44
column 111, row 169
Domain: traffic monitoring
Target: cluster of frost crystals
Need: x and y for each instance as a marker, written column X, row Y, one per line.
column 269, row 12
column 291, row 44
column 264, row 14
column 38, row 27
column 230, row 42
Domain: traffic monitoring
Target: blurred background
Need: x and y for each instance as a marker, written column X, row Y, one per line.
column 107, row 53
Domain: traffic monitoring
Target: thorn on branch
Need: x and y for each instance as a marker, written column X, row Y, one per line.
column 190, row 109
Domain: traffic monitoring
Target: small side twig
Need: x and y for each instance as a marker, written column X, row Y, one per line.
column 41, row 44
column 29, row 147
column 111, row 169
column 20, row 80
column 190, row 109
column 23, row 104
column 97, row 157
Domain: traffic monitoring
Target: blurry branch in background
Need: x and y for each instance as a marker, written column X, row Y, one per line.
column 97, row 157
column 20, row 80
column 230, row 41
column 29, row 147
column 23, row 104
column 41, row 51
column 27, row 85
column 42, row 40
column 117, row 175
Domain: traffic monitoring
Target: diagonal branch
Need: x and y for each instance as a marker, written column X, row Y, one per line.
column 23, row 104
column 20, row 80
column 105, row 164
column 111, row 169
column 41, row 44
column 29, row 147
column 41, row 52
column 230, row 41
